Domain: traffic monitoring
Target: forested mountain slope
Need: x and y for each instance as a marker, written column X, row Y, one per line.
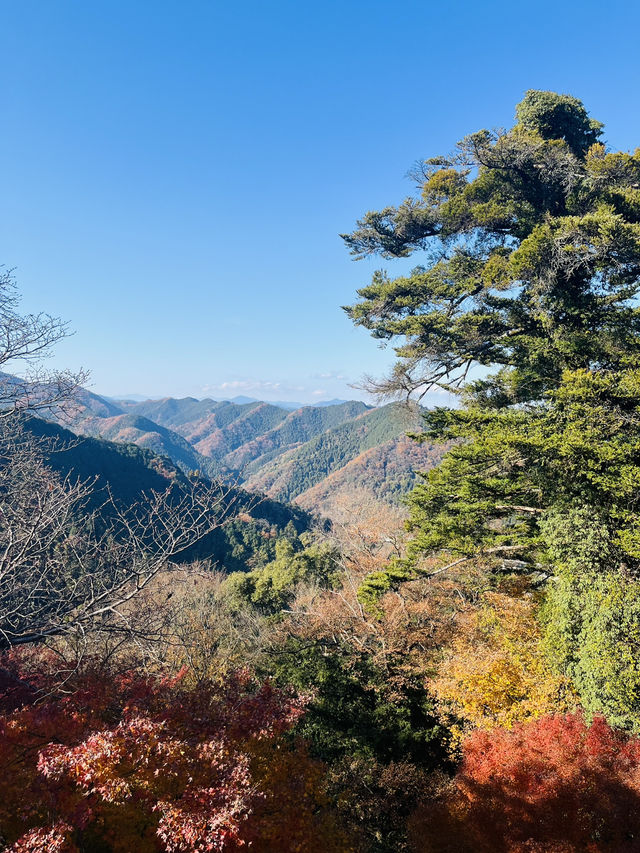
column 380, row 475
column 135, row 429
column 217, row 441
column 297, row 428
column 197, row 420
column 298, row 470
column 267, row 448
column 128, row 473
column 127, row 470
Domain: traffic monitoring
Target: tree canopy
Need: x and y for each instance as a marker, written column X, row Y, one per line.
column 527, row 309
column 533, row 259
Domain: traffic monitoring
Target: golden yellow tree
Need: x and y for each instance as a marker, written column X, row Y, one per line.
column 495, row 672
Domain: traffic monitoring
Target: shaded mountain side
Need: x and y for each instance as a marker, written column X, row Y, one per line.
column 135, row 429
column 381, row 475
column 129, row 472
column 298, row 470
column 298, row 427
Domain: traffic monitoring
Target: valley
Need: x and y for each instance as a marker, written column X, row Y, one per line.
column 313, row 456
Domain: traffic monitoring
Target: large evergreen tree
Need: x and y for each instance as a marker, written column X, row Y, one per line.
column 533, row 259
column 526, row 308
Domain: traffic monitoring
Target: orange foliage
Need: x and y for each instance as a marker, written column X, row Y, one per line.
column 554, row 785
column 136, row 763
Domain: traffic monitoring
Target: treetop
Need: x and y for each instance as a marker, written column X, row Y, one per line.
column 532, row 240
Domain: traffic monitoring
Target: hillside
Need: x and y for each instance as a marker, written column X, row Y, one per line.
column 304, row 454
column 135, row 429
column 380, row 475
column 130, row 472
column 195, row 419
column 236, row 435
column 299, row 470
column 297, row 428
column 127, row 470
column 212, row 439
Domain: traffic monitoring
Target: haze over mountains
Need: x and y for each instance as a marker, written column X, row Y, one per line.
column 240, row 399
column 311, row 455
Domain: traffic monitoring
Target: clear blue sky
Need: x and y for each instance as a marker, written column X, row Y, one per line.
column 176, row 174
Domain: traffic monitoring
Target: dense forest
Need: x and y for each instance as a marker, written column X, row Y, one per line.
column 189, row 666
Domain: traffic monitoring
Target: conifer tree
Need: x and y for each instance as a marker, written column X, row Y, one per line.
column 526, row 309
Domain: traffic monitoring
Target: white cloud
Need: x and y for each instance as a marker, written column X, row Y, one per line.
column 252, row 386
column 331, row 374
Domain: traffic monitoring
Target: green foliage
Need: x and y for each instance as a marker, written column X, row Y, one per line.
column 555, row 116
column 240, row 543
column 537, row 249
column 357, row 710
column 579, row 446
column 536, row 238
column 271, row 588
column 375, row 584
column 592, row 617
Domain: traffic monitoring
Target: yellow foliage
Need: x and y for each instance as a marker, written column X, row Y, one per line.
column 495, row 672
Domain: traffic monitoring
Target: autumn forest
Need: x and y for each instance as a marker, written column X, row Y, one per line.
column 353, row 628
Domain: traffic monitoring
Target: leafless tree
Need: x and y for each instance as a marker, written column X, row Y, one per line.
column 204, row 631
column 64, row 570
column 25, row 340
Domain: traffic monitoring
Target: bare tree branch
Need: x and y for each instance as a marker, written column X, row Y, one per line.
column 58, row 574
column 25, row 340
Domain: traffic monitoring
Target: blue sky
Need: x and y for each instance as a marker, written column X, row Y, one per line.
column 176, row 174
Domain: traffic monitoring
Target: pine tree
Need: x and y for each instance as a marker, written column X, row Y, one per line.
column 526, row 309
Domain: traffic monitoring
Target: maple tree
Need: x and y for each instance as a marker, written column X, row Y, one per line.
column 133, row 762
column 557, row 784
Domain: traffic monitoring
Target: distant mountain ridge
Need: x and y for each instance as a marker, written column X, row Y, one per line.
column 241, row 399
column 284, row 454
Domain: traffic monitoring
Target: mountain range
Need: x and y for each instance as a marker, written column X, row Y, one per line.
column 306, row 456
column 128, row 473
column 240, row 399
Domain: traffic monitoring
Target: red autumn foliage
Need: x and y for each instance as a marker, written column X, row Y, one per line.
column 131, row 762
column 557, row 785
